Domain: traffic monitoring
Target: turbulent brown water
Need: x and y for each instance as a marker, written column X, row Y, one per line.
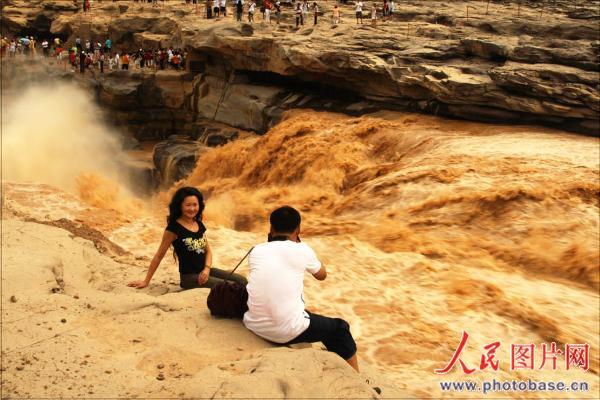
column 428, row 227
column 486, row 196
column 54, row 134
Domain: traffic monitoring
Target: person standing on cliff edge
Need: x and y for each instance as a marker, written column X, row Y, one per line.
column 216, row 8
column 239, row 10
column 299, row 20
column 275, row 291
column 267, row 14
column 305, row 10
column 359, row 9
column 125, row 61
column 101, row 59
column 336, row 15
column 208, row 9
column 251, row 9
column 81, row 62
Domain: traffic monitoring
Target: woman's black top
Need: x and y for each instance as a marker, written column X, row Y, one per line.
column 190, row 247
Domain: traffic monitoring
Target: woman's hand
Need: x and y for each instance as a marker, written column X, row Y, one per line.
column 203, row 277
column 138, row 284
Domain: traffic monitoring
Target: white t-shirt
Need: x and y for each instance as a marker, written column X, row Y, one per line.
column 275, row 287
column 359, row 6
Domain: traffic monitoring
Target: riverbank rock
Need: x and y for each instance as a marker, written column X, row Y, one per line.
column 175, row 158
column 446, row 54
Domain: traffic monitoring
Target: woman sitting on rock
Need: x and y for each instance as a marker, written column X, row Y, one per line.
column 185, row 231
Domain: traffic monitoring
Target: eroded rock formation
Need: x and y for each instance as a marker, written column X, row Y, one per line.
column 511, row 64
column 505, row 63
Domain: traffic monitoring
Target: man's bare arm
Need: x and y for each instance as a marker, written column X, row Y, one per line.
column 321, row 274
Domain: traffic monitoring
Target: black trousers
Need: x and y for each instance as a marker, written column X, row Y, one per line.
column 190, row 281
column 333, row 332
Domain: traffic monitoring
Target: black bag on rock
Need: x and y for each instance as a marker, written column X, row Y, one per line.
column 228, row 299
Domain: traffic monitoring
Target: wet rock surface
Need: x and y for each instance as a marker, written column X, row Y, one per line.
column 175, row 158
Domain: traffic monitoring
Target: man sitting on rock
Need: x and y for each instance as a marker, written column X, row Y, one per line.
column 275, row 291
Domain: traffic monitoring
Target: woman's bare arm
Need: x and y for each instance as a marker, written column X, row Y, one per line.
column 167, row 239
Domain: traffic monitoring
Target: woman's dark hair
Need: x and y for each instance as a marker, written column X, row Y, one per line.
column 285, row 219
column 177, row 200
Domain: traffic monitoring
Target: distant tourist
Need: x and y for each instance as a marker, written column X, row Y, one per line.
column 45, row 48
column 223, row 7
column 88, row 60
column 359, row 9
column 162, row 58
column 136, row 60
column 267, row 8
column 148, row 58
column 12, row 50
column 374, row 15
column 278, row 11
column 216, row 8
column 176, row 60
column 251, row 9
column 299, row 20
column 208, row 9
column 32, row 44
column 305, row 10
column 58, row 50
column 316, row 11
column 386, row 9
column 336, row 15
column 239, row 10
column 82, row 62
column 125, row 62
column 73, row 58
column 101, row 59
column 107, row 46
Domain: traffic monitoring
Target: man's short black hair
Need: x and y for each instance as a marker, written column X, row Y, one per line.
column 285, row 219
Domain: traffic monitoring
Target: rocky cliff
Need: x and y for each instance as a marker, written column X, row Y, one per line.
column 497, row 61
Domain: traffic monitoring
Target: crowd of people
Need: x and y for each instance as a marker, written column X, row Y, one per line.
column 95, row 55
column 88, row 54
column 303, row 11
